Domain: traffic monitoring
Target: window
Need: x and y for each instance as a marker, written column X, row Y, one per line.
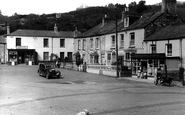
column 79, row 44
column 69, row 55
column 113, row 41
column 18, row 41
column 153, row 48
column 62, row 42
column 91, row 59
column 121, row 40
column 46, row 44
column 96, row 58
column 113, row 57
column 97, row 42
column 126, row 22
column 84, row 44
column 108, row 56
column 46, row 56
column 132, row 39
column 91, row 42
column 169, row 49
column 127, row 56
column 62, row 56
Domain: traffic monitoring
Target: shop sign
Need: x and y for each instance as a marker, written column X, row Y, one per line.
column 22, row 47
column 148, row 56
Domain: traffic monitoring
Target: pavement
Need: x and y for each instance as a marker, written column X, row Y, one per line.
column 151, row 80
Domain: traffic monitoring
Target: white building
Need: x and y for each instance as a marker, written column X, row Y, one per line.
column 38, row 45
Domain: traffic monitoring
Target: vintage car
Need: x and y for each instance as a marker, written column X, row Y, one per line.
column 48, row 71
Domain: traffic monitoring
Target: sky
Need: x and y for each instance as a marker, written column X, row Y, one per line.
column 10, row 7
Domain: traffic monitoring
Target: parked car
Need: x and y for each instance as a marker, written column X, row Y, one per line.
column 48, row 71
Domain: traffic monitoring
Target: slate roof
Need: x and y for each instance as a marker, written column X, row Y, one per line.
column 107, row 28
column 99, row 30
column 42, row 33
column 145, row 20
column 111, row 28
column 167, row 33
column 2, row 40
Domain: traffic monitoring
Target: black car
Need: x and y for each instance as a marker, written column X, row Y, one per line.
column 48, row 71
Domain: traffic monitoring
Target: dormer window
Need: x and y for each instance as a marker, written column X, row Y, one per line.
column 126, row 22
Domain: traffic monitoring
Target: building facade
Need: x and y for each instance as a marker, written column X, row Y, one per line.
column 36, row 45
column 3, row 50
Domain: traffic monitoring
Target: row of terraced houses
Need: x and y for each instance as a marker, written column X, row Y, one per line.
column 145, row 42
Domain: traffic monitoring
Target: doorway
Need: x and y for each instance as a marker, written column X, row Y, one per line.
column 21, row 57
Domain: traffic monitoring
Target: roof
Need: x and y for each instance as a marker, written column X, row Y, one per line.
column 99, row 30
column 169, row 32
column 42, row 33
column 107, row 28
column 145, row 20
column 2, row 40
column 111, row 28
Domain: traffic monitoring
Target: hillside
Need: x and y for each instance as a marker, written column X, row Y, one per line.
column 83, row 19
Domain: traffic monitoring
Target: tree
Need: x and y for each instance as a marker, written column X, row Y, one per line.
column 141, row 6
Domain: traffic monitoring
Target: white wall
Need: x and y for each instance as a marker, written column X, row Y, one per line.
column 37, row 44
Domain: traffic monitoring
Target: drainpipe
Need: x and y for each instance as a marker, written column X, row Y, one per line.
column 52, row 45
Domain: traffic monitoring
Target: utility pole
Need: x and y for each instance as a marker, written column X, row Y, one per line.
column 116, row 22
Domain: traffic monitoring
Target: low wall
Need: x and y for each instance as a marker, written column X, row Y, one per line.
column 107, row 70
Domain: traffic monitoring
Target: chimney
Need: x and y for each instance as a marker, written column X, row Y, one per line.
column 56, row 28
column 164, row 6
column 171, row 6
column 123, row 16
column 168, row 6
column 76, row 32
column 103, row 20
column 8, row 29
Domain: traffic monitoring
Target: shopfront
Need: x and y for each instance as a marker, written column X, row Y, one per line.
column 147, row 63
column 22, row 56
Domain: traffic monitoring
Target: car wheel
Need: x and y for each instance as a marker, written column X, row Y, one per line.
column 47, row 75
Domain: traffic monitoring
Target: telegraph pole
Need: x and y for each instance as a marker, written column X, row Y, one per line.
column 116, row 22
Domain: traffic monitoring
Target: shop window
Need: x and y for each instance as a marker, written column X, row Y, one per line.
column 69, row 55
column 18, row 41
column 46, row 43
column 12, row 55
column 46, row 56
column 62, row 42
column 169, row 49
